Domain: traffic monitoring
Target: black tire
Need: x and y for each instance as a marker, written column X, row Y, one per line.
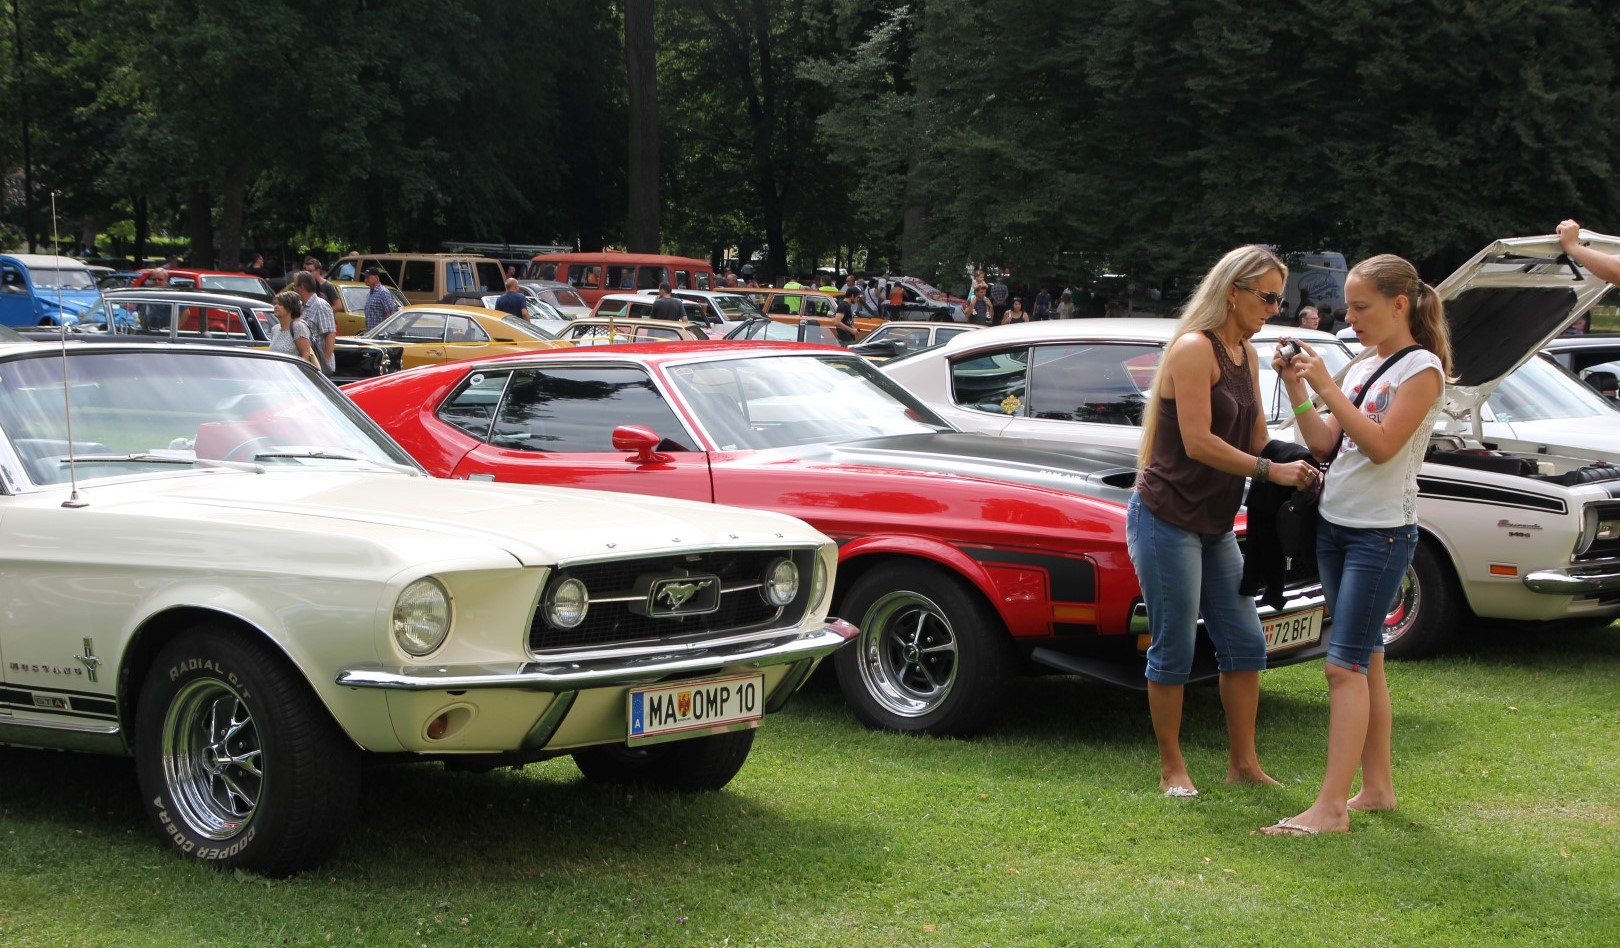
column 1427, row 608
column 932, row 656
column 694, row 765
column 240, row 765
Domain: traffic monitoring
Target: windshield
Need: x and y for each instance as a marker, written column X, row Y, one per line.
column 736, row 308
column 1540, row 390
column 564, row 297
column 63, row 278
column 1272, row 394
column 776, row 401
column 149, row 411
column 238, row 284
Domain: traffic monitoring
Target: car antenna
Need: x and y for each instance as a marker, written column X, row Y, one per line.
column 67, row 402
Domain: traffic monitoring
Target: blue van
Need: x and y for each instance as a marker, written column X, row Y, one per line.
column 45, row 290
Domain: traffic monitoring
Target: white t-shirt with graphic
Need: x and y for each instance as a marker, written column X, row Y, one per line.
column 1360, row 493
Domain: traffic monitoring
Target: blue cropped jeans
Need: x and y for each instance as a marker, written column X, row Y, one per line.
column 1185, row 575
column 1361, row 570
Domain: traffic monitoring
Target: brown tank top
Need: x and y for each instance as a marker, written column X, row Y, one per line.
column 1190, row 494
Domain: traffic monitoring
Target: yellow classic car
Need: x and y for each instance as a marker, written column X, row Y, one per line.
column 441, row 332
column 351, row 306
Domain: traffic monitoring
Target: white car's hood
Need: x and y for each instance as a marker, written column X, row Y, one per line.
column 1506, row 303
column 426, row 517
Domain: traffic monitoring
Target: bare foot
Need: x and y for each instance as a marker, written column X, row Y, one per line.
column 1308, row 823
column 1177, row 784
column 1365, row 802
column 1252, row 775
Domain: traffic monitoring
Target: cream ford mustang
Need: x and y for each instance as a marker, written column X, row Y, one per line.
column 227, row 571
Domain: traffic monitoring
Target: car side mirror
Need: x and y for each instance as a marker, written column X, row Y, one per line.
column 642, row 440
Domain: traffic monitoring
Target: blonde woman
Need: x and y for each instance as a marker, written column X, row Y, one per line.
column 1367, row 534
column 1202, row 435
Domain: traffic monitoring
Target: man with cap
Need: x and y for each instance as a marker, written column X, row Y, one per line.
column 380, row 304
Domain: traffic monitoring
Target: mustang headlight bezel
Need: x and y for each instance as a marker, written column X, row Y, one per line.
column 781, row 583
column 423, row 614
column 567, row 593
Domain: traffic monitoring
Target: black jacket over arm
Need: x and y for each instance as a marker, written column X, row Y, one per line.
column 1263, row 560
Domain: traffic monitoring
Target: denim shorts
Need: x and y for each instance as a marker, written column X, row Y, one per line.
column 1185, row 575
column 1361, row 570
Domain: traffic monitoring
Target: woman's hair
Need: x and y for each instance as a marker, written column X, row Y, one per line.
column 291, row 302
column 1207, row 309
column 1392, row 276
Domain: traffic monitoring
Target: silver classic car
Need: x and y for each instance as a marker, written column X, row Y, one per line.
column 214, row 562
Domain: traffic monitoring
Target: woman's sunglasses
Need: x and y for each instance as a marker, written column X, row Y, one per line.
column 1270, row 299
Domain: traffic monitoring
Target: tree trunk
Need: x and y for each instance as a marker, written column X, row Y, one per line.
column 201, row 211
column 376, row 218
column 230, row 217
column 641, row 49
column 142, row 231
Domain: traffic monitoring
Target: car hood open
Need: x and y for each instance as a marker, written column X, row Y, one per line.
column 1506, row 303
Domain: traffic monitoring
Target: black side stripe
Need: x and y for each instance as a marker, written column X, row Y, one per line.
column 1480, row 494
column 1073, row 580
column 81, row 706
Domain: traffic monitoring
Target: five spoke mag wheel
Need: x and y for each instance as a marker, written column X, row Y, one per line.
column 932, row 655
column 240, row 764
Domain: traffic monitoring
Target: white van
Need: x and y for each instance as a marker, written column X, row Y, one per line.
column 1316, row 279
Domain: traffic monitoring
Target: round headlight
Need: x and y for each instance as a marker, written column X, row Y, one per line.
column 422, row 617
column 567, row 603
column 781, row 582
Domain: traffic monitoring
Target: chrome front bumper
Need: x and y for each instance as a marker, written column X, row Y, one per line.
column 607, row 673
column 1576, row 580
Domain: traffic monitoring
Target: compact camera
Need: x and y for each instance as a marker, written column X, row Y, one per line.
column 1288, row 350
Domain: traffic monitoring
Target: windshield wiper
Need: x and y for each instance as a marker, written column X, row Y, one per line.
column 115, row 458
column 325, row 454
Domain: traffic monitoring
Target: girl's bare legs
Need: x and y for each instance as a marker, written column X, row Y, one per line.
column 1377, row 773
column 1347, row 739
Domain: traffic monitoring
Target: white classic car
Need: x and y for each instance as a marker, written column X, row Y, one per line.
column 215, row 563
column 1514, row 525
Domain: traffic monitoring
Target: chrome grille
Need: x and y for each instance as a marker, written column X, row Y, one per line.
column 618, row 613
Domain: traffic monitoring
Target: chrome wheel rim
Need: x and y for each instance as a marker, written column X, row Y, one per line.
column 909, row 654
column 1408, row 603
column 212, row 759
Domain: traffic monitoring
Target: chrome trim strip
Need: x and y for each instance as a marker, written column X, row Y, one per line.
column 603, row 673
column 92, row 738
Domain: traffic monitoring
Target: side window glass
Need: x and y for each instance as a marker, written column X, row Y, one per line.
column 421, row 327
column 702, row 281
column 946, row 335
column 472, row 407
column 543, row 271
column 11, row 280
column 458, row 277
column 588, row 277
column 818, row 306
column 575, row 409
column 658, row 334
column 648, row 278
column 154, row 319
column 1091, row 383
column 682, row 281
column 417, row 277
column 779, row 305
column 344, row 269
column 463, row 329
column 621, row 278
column 490, row 277
column 991, row 383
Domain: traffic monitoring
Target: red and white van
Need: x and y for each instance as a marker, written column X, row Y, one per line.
column 594, row 274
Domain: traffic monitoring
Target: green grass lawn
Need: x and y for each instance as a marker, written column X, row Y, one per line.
column 1050, row 831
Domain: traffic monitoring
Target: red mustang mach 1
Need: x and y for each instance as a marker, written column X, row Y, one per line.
column 963, row 558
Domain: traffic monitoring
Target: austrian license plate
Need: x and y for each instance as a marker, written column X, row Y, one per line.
column 670, row 712
column 1299, row 628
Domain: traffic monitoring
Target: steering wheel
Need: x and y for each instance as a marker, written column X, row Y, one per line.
column 231, row 455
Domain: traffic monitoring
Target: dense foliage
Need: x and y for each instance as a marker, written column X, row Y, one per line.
column 1051, row 136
